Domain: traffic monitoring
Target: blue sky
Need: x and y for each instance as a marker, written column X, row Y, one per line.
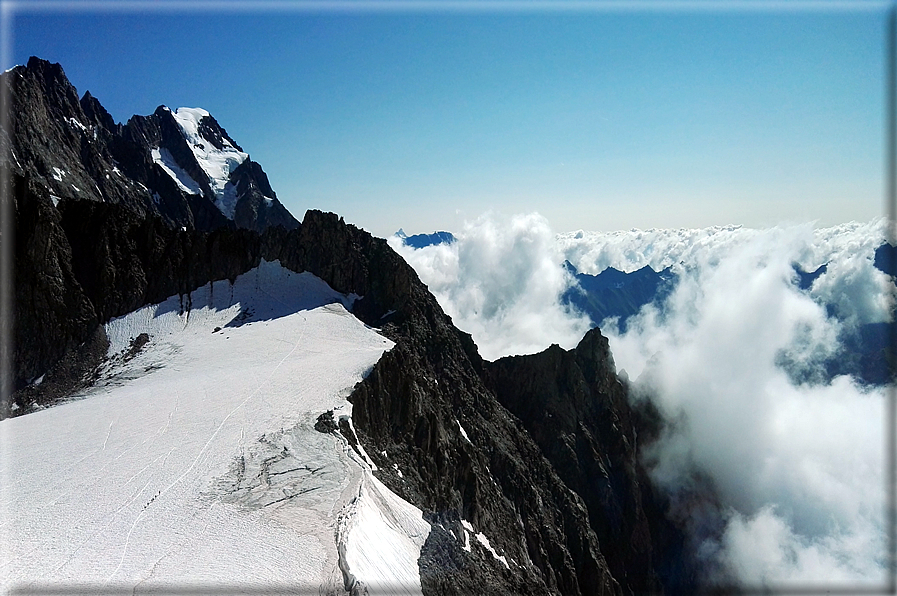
column 597, row 118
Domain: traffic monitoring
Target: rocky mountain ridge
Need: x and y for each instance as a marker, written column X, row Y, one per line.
column 614, row 293
column 424, row 240
column 565, row 500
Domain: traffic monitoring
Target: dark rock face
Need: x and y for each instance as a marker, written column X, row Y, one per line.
column 576, row 409
column 50, row 141
column 75, row 150
column 568, row 401
column 124, row 262
column 258, row 207
column 80, row 263
column 53, row 316
column 413, row 406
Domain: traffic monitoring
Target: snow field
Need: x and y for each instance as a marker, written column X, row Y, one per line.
column 195, row 461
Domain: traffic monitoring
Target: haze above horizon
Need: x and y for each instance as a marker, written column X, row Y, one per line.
column 595, row 116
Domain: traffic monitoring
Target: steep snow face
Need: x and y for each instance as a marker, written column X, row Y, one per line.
column 163, row 157
column 193, row 462
column 380, row 538
column 216, row 163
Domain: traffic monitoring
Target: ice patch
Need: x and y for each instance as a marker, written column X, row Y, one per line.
column 58, row 174
column 485, row 542
column 187, row 184
column 481, row 538
column 358, row 444
column 463, row 432
column 468, row 527
column 77, row 124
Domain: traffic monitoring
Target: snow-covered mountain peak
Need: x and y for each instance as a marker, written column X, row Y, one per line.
column 177, row 164
column 198, row 126
column 215, row 152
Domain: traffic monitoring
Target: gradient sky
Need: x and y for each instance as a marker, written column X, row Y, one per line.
column 597, row 117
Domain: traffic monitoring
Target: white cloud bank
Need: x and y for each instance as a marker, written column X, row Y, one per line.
column 501, row 282
column 799, row 468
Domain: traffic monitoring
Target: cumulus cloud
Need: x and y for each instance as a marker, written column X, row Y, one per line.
column 855, row 290
column 501, row 281
column 765, row 546
column 798, row 466
column 629, row 250
column 851, row 285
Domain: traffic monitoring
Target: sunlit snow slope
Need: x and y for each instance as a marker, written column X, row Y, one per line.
column 194, row 462
column 218, row 164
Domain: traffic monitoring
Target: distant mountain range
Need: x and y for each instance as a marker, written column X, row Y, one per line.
column 616, row 294
column 423, row 240
column 866, row 352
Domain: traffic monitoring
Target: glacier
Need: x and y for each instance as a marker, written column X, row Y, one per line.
column 193, row 460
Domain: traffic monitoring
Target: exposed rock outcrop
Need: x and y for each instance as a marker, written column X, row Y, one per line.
column 54, row 317
column 576, row 409
column 425, row 406
column 80, row 263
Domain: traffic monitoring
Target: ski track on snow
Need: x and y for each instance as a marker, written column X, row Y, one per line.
column 206, row 446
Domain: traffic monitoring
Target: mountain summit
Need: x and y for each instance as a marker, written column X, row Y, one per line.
column 180, row 165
